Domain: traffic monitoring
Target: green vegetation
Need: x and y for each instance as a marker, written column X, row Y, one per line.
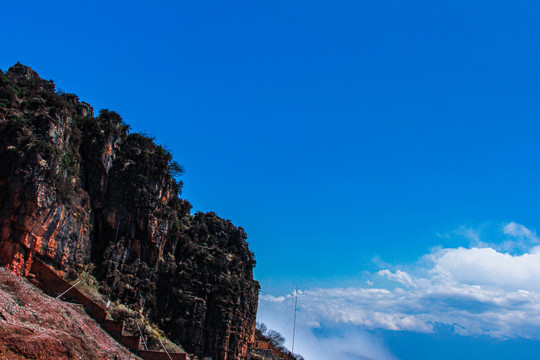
column 175, row 169
column 176, row 225
column 68, row 162
column 88, row 285
column 9, row 88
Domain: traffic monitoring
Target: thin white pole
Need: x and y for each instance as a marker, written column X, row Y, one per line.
column 142, row 337
column 166, row 352
column 58, row 297
column 294, row 327
column 117, row 228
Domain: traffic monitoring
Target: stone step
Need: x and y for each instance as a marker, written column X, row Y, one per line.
column 114, row 327
column 132, row 342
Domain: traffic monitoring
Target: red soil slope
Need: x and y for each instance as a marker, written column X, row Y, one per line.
column 36, row 326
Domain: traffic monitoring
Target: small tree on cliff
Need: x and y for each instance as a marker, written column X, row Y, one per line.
column 270, row 336
column 275, row 338
column 260, row 330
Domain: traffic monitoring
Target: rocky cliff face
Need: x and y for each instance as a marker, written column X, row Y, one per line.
column 77, row 189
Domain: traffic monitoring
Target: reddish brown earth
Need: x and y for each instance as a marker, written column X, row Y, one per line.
column 36, row 326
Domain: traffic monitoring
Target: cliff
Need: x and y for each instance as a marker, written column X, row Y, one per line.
column 76, row 189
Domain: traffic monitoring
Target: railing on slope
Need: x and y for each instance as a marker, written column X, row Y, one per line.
column 47, row 279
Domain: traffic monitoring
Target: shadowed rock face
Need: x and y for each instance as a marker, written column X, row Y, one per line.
column 75, row 189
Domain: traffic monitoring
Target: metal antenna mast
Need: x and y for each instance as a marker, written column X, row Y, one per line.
column 294, row 327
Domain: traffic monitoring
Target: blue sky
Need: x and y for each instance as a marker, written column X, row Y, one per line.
column 362, row 145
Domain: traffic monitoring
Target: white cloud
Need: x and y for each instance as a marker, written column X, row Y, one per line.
column 487, row 266
column 472, row 235
column 475, row 291
column 519, row 231
column 520, row 239
column 400, row 276
column 271, row 298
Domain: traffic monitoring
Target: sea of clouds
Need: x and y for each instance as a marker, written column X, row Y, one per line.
column 486, row 288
